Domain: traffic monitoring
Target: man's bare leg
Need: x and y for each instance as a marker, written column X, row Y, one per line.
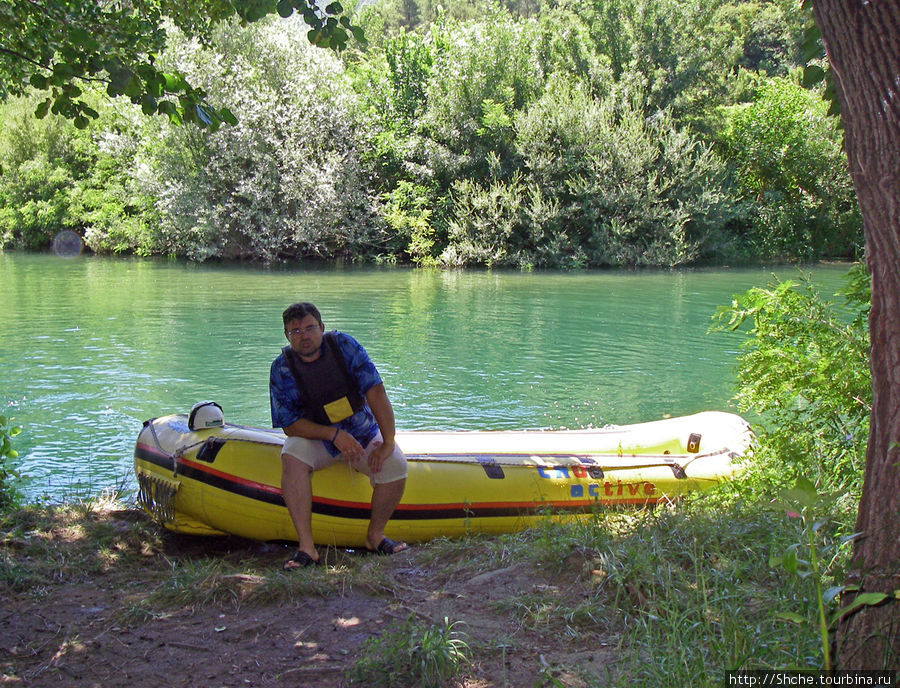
column 385, row 498
column 296, row 489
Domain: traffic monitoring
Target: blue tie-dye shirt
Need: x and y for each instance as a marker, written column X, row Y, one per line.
column 287, row 407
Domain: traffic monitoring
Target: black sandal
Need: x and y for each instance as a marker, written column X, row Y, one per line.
column 388, row 547
column 300, row 560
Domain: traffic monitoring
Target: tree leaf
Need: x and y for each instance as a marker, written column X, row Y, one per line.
column 793, row 617
column 228, row 117
column 174, row 82
column 148, row 104
column 811, row 47
column 285, row 8
column 812, row 75
column 832, row 592
column 41, row 110
column 203, row 115
column 865, row 599
column 312, row 19
column 133, row 89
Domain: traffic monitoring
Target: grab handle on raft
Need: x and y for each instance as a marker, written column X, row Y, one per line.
column 677, row 470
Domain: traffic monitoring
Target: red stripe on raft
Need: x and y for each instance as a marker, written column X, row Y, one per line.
column 230, row 477
column 411, row 508
column 475, row 506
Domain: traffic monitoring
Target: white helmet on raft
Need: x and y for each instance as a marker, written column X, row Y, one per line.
column 205, row 415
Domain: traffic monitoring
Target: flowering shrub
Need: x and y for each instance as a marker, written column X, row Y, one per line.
column 287, row 181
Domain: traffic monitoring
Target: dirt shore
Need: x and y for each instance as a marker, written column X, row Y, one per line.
column 97, row 600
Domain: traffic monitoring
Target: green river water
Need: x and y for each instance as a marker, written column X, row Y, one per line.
column 91, row 347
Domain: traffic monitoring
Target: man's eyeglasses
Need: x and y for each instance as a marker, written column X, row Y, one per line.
column 297, row 331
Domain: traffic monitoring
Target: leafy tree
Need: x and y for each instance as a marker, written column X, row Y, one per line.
column 768, row 34
column 598, row 186
column 674, row 55
column 410, row 59
column 479, row 80
column 287, row 180
column 567, row 48
column 57, row 46
column 385, row 19
column 789, row 164
column 55, row 177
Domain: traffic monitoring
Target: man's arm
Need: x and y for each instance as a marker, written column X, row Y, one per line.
column 378, row 401
column 350, row 449
column 308, row 430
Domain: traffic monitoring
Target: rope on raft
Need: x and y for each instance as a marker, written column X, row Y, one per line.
column 156, row 495
column 544, row 461
column 661, row 460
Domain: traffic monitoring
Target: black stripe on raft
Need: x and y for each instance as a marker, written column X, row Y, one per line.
column 402, row 513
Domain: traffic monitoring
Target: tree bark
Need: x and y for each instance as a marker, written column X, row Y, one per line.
column 862, row 39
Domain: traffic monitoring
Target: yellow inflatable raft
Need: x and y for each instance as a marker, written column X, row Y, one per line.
column 226, row 480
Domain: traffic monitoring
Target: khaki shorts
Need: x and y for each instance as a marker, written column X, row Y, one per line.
column 314, row 455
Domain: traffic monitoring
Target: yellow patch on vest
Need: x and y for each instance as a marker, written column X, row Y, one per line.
column 338, row 410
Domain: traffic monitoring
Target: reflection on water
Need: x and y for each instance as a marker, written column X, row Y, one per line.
column 92, row 347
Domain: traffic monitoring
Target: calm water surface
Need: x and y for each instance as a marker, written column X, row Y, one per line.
column 91, row 347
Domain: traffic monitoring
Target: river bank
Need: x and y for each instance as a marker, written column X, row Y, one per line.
column 99, row 596
column 96, row 594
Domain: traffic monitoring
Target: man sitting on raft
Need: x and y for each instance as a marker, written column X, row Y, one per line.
column 328, row 398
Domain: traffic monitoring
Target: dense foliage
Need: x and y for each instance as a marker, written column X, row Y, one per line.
column 562, row 135
column 804, row 370
column 286, row 180
column 782, row 145
column 9, row 494
column 56, row 47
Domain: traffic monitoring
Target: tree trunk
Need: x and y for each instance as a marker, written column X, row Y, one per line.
column 862, row 39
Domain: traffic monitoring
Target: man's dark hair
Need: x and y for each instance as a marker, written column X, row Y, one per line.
column 298, row 311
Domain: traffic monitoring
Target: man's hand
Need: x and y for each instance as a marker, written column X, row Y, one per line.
column 350, row 449
column 379, row 455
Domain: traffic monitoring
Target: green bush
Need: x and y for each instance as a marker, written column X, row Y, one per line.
column 599, row 186
column 675, row 56
column 805, row 370
column 483, row 74
column 288, row 181
column 54, row 177
column 791, row 167
column 9, row 494
column 41, row 165
column 408, row 213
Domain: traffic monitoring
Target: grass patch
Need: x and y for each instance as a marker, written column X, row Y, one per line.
column 412, row 654
column 205, row 581
column 71, row 542
column 690, row 589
